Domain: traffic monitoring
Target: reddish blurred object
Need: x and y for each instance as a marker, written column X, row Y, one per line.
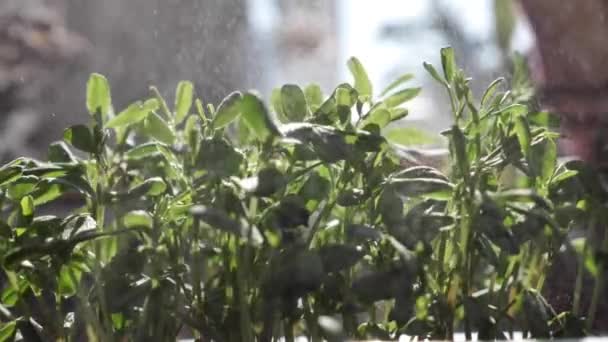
column 570, row 68
column 33, row 41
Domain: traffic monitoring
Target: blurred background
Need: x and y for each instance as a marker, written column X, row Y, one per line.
column 48, row 48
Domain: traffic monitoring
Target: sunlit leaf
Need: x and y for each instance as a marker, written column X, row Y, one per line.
column 294, row 104
column 228, row 110
column 183, row 100
column 257, row 118
column 490, row 91
column 448, row 62
column 380, row 117
column 9, row 174
column 362, row 82
column 396, row 83
column 314, row 96
column 433, row 72
column 410, row 136
column 135, row 113
column 143, row 151
column 159, row 129
column 7, row 330
column 154, row 186
column 98, row 95
column 22, row 187
column 401, row 97
column 138, row 219
column 522, row 128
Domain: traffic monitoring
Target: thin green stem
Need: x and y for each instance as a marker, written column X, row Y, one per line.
column 242, row 288
column 598, row 286
column 580, row 270
column 100, row 212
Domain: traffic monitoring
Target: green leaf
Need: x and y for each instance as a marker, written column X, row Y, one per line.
column 401, row 97
column 396, row 83
column 59, row 152
column 544, row 119
column 138, row 219
column 563, row 176
column 163, row 104
column 490, row 91
column 513, row 110
column 329, row 144
column 433, row 72
column 398, row 113
column 523, row 195
column 522, row 129
column 458, row 144
column 154, row 186
column 448, row 62
column 217, row 156
column 80, row 137
column 8, row 330
column 9, row 174
column 76, row 182
column 314, row 96
column 98, row 95
column 276, row 104
column 159, row 129
column 505, row 21
column 228, row 110
column 410, row 136
column 27, row 206
column 135, row 113
column 142, row 151
column 543, row 159
column 344, row 101
column 294, row 103
column 10, row 295
column 257, row 117
column 66, row 285
column 183, row 100
column 380, row 117
column 362, row 82
column 22, row 187
column 47, row 192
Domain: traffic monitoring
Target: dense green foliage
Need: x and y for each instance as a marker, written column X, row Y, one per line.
column 240, row 223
